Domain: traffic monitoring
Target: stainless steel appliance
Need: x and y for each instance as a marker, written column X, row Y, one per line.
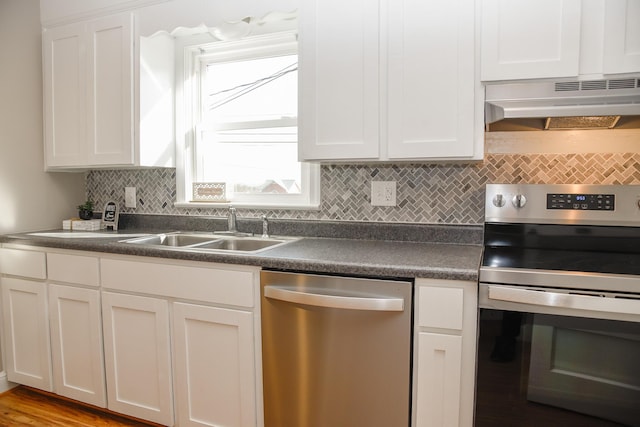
column 586, row 104
column 336, row 351
column 559, row 297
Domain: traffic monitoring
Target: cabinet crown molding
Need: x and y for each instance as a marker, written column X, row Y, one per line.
column 49, row 19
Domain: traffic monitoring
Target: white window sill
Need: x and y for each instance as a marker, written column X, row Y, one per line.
column 214, row 205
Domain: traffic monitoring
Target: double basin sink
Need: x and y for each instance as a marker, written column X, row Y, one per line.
column 222, row 241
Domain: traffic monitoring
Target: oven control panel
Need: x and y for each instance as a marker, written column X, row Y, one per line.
column 585, row 202
column 563, row 204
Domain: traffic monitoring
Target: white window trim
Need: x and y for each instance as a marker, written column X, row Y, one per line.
column 188, row 117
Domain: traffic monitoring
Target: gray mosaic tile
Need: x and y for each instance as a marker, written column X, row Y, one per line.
column 443, row 193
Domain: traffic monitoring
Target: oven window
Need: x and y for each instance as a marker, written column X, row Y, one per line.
column 543, row 370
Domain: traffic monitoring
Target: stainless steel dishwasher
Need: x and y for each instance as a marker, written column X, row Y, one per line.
column 336, row 351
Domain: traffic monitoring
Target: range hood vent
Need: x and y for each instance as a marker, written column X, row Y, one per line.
column 532, row 106
column 597, row 85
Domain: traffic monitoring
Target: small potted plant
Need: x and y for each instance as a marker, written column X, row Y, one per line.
column 85, row 210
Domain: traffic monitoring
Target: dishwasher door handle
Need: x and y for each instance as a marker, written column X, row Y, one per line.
column 289, row 294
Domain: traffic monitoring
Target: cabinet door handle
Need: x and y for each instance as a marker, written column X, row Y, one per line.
column 334, row 301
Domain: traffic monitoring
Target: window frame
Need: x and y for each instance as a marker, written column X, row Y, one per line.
column 188, row 121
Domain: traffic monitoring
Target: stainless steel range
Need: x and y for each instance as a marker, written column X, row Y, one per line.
column 559, row 300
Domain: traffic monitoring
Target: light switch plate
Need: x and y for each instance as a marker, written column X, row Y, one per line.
column 130, row 197
column 383, row 193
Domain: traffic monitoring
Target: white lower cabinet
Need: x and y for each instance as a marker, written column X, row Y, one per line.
column 76, row 344
column 439, row 359
column 209, row 369
column 75, row 319
column 26, row 332
column 138, row 356
column 25, row 322
column 214, row 366
column 134, row 335
column 445, row 353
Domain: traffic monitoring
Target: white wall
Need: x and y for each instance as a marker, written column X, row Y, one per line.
column 30, row 199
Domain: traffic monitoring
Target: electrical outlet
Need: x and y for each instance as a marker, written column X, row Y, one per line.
column 383, row 193
column 130, row 197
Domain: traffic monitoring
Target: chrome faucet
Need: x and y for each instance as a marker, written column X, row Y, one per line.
column 265, row 227
column 231, row 220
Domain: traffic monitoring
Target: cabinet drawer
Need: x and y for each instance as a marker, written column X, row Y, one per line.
column 214, row 285
column 73, row 269
column 440, row 307
column 24, row 263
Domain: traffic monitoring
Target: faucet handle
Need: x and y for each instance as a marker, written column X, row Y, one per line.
column 231, row 220
column 265, row 227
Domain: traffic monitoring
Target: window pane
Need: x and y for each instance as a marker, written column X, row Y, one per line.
column 264, row 134
column 253, row 168
column 249, row 132
column 256, row 89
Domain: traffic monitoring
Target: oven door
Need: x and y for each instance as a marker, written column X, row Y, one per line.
column 558, row 358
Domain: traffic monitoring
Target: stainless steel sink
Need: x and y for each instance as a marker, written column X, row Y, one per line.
column 223, row 242
column 241, row 244
column 173, row 239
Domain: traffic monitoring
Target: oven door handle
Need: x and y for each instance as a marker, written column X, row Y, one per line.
column 563, row 300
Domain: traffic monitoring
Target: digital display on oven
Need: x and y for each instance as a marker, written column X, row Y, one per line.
column 581, row 202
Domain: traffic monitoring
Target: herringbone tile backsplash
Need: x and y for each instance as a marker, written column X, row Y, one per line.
column 448, row 193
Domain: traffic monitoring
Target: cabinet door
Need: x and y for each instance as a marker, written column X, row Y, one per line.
column 64, row 96
column 529, row 39
column 76, row 344
column 622, row 37
column 26, row 333
column 431, row 78
column 445, row 352
column 110, row 86
column 215, row 366
column 339, row 80
column 439, row 361
column 137, row 356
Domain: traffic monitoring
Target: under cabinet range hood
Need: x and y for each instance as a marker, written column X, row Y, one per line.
column 588, row 104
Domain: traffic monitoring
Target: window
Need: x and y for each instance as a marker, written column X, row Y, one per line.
column 243, row 122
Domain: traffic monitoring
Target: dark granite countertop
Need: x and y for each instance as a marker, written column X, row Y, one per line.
column 408, row 251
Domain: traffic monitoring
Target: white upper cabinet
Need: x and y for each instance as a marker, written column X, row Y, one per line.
column 110, row 85
column 388, row 80
column 622, row 36
column 537, row 39
column 339, row 80
column 525, row 39
column 88, row 92
column 431, row 79
column 105, row 102
column 65, row 95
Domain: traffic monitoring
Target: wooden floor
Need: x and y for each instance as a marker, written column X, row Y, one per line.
column 22, row 406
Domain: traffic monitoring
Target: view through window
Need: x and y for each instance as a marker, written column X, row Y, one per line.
column 247, row 134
